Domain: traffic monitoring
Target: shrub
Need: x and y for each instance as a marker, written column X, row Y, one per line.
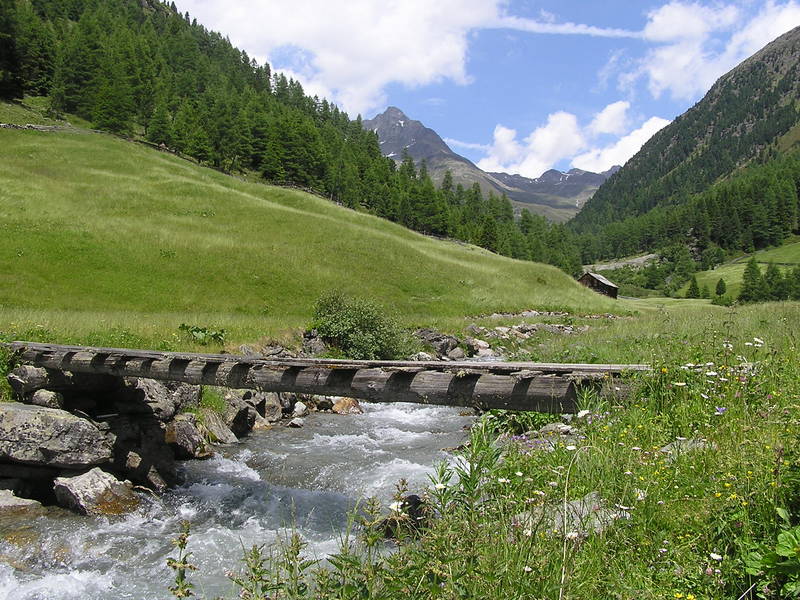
column 359, row 328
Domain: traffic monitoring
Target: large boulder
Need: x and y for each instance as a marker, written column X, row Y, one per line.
column 163, row 399
column 46, row 398
column 25, row 379
column 214, row 429
column 141, row 451
column 50, row 437
column 240, row 416
column 185, row 439
column 95, row 493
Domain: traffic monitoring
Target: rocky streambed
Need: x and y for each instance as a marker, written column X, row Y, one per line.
column 135, row 457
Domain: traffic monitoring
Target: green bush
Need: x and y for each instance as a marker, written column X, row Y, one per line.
column 359, row 328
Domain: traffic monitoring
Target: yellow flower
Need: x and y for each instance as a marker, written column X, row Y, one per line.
column 665, row 370
column 678, row 595
column 690, row 597
column 717, row 495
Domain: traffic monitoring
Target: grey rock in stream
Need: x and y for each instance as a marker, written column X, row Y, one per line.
column 46, row 398
column 214, row 428
column 50, row 437
column 95, row 493
column 162, row 399
column 11, row 505
column 185, row 439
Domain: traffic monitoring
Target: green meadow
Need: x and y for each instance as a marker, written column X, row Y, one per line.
column 100, row 234
column 786, row 257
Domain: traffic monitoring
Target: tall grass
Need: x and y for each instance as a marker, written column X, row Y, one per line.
column 688, row 524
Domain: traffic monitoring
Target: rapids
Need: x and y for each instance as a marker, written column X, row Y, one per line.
column 251, row 493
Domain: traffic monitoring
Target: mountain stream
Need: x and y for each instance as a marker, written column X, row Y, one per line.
column 251, row 493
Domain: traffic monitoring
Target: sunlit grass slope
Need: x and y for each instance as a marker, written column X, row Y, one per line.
column 94, row 227
column 785, row 257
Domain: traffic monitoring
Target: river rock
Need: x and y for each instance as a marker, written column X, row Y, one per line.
column 323, row 402
column 141, row 451
column 273, row 411
column 95, row 493
column 240, row 415
column 185, row 439
column 46, row 398
column 456, row 354
column 422, row 357
column 49, row 437
column 347, row 406
column 164, row 399
column 300, row 410
column 440, row 342
column 313, row 345
column 213, row 428
column 11, row 505
column 296, row 422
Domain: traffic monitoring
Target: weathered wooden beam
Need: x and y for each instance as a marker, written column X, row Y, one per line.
column 491, row 367
column 359, row 379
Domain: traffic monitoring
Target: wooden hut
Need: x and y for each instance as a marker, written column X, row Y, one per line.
column 599, row 284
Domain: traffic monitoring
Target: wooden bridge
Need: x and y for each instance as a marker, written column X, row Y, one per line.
column 543, row 387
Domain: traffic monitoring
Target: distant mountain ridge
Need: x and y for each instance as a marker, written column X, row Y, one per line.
column 751, row 112
column 556, row 195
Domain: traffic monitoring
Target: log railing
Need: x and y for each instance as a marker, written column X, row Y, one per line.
column 543, row 387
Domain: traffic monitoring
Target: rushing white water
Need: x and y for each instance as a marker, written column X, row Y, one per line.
column 306, row 480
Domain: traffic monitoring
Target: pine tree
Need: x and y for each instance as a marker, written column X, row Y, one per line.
column 721, row 288
column 752, row 283
column 158, row 129
column 10, row 66
column 704, row 292
column 694, row 290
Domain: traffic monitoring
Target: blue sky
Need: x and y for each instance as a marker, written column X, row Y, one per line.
column 519, row 86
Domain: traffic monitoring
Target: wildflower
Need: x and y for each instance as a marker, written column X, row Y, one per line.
column 662, row 550
column 704, row 396
column 635, row 448
column 396, row 507
column 640, row 494
column 552, row 483
column 711, row 373
column 527, row 569
column 727, row 345
column 664, row 370
column 627, row 473
column 748, row 343
column 572, row 535
column 679, row 384
column 518, row 473
column 503, row 480
column 527, row 532
column 715, row 556
column 572, row 447
column 719, row 410
column 540, row 493
column 439, row 486
column 758, row 340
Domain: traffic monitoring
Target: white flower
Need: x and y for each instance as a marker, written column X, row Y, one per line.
column 714, row 556
column 748, row 343
column 440, row 486
column 527, row 532
column 518, row 473
column 583, row 413
column 540, row 493
column 527, row 569
column 704, row 396
column 396, row 507
column 503, row 480
column 711, row 373
column 572, row 447
column 640, row 494
column 627, row 473
column 635, row 448
column 758, row 340
column 679, row 384
column 572, row 535
column 552, row 483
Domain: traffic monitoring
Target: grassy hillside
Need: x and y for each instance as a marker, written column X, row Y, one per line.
column 786, row 257
column 98, row 233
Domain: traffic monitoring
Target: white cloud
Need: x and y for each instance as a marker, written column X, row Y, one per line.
column 618, row 153
column 612, row 119
column 559, row 138
column 562, row 137
column 466, row 145
column 355, row 49
column 697, row 44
